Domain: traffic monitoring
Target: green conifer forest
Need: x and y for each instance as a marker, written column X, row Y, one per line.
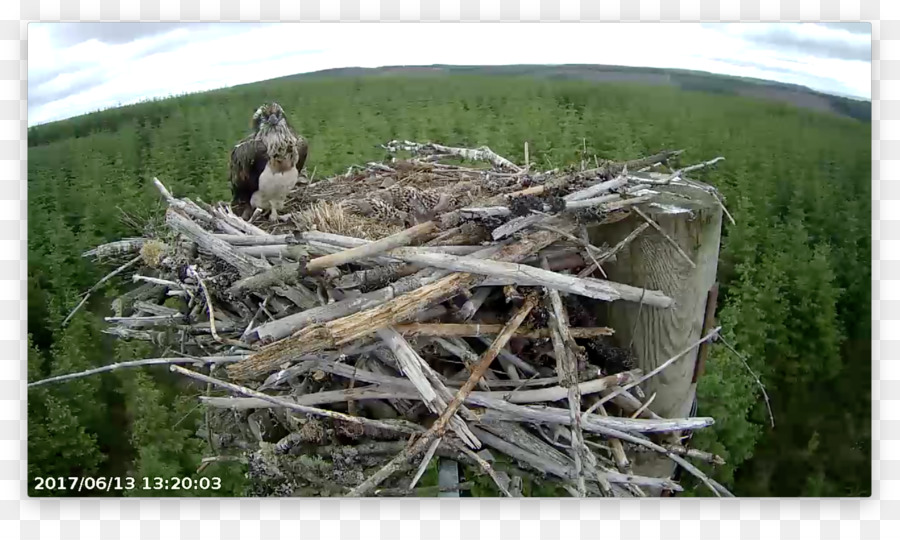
column 794, row 271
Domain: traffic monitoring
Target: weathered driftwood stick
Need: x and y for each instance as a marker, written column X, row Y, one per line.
column 99, row 284
column 502, row 410
column 473, row 304
column 437, row 429
column 114, row 249
column 550, row 466
column 567, row 371
column 151, row 320
column 190, row 209
column 529, row 275
column 389, row 387
column 224, row 213
column 426, row 459
column 245, row 265
column 755, row 378
column 597, row 189
column 140, row 363
column 150, row 307
column 282, row 273
column 404, row 427
column 402, row 238
column 255, row 240
column 695, row 454
column 414, row 367
column 654, row 372
column 618, row 450
column 482, row 153
column 481, row 330
column 283, row 327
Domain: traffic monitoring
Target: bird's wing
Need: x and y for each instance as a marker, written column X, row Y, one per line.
column 302, row 151
column 248, row 159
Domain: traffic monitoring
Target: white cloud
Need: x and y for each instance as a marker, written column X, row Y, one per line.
column 92, row 74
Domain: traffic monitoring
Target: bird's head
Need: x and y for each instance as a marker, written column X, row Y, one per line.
column 267, row 116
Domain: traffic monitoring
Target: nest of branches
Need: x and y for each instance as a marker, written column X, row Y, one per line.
column 406, row 310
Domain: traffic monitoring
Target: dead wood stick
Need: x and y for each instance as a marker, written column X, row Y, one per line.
column 567, row 371
column 283, row 327
column 256, row 240
column 694, row 453
column 99, row 284
column 531, row 276
column 618, row 450
column 597, row 189
column 402, row 238
column 527, row 368
column 718, row 490
column 190, row 209
column 426, row 459
column 225, row 214
column 403, row 427
column 656, row 371
column 245, row 265
column 474, row 303
column 140, row 363
column 415, row 368
column 481, row 330
column 755, row 377
column 437, row 429
column 549, row 466
column 482, row 153
column 113, row 249
column 386, row 386
column 668, row 238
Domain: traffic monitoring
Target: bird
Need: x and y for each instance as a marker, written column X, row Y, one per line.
column 265, row 166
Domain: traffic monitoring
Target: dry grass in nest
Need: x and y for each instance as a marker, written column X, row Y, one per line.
column 331, row 217
column 153, row 252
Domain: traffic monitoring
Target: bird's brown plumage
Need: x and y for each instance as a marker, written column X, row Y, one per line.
column 276, row 143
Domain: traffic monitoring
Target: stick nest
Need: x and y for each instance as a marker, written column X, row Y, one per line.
column 362, row 350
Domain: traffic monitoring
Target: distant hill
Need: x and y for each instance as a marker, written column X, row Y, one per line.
column 799, row 96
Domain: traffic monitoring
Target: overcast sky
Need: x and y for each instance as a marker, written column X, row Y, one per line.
column 74, row 68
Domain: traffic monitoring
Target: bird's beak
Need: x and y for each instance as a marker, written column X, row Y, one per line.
column 273, row 119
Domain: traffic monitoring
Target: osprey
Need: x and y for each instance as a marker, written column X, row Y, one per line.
column 266, row 165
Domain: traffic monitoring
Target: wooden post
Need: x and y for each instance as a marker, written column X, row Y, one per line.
column 651, row 261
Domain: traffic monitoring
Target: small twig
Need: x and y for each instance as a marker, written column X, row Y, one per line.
column 192, row 271
column 674, row 244
column 759, row 383
column 617, row 248
column 139, row 363
column 426, row 459
column 643, row 407
column 398, row 427
column 661, row 367
column 637, row 319
column 618, row 450
column 99, row 284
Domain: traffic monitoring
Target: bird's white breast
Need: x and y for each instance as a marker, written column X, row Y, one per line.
column 274, row 186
